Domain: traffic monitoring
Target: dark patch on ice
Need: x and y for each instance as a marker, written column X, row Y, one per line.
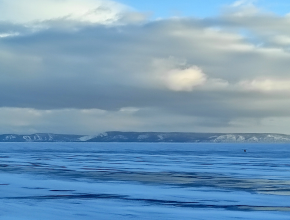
column 155, row 202
column 61, row 190
column 33, row 187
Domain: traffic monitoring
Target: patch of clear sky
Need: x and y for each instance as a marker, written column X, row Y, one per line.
column 199, row 8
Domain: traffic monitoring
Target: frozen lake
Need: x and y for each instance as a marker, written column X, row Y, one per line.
column 144, row 181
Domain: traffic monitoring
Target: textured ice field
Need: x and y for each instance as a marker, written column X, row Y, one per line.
column 144, row 181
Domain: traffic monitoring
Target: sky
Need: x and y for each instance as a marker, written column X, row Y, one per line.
column 90, row 66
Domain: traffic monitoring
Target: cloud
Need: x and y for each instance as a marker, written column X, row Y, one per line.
column 89, row 121
column 73, row 121
column 185, row 80
column 242, row 3
column 74, row 72
column 266, row 85
column 177, row 75
column 8, row 34
column 129, row 110
column 96, row 11
column 190, row 79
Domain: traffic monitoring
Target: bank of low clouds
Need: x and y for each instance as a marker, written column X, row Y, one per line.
column 92, row 66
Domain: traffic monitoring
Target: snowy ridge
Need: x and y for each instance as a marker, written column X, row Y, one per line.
column 268, row 138
column 39, row 137
column 181, row 137
column 86, row 138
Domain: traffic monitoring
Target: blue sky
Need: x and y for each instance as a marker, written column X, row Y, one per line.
column 167, row 8
column 197, row 8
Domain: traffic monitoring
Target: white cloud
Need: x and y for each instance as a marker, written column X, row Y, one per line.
column 266, row 85
column 9, row 34
column 177, row 75
column 240, row 3
column 282, row 40
column 242, row 8
column 184, row 79
column 96, row 11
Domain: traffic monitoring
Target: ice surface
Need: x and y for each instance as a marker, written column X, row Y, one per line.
column 144, row 181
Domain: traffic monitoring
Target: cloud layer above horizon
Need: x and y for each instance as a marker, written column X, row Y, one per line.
column 88, row 66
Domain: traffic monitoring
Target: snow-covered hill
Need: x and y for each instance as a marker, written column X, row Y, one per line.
column 116, row 136
column 41, row 137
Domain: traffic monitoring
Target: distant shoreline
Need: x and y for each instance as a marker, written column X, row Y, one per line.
column 151, row 137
